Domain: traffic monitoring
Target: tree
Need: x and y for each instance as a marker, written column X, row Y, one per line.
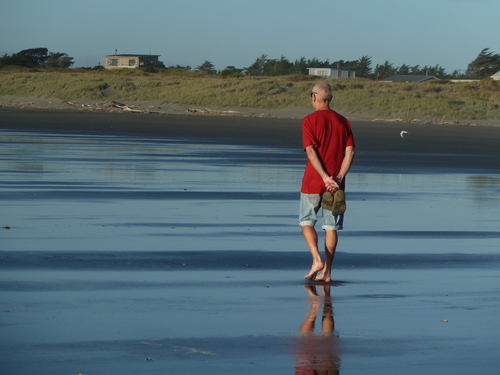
column 155, row 67
column 231, row 71
column 58, row 60
column 486, row 64
column 385, row 70
column 277, row 67
column 207, row 67
column 339, row 64
column 32, row 57
column 258, row 67
column 187, row 67
column 437, row 71
column 403, row 70
column 29, row 58
column 299, row 66
column 37, row 57
column 6, row 60
column 457, row 73
column 315, row 63
column 363, row 66
column 415, row 70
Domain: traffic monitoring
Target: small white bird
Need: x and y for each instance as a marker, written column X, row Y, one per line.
column 403, row 133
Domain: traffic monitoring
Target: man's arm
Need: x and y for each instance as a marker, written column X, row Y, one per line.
column 346, row 163
column 331, row 183
column 317, row 164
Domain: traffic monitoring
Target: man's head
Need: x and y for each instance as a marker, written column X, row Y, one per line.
column 323, row 92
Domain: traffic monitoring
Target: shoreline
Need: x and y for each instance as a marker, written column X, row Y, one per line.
column 158, row 107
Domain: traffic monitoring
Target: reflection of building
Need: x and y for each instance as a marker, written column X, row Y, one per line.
column 129, row 61
column 332, row 73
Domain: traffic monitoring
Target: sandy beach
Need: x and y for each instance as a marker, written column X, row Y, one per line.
column 138, row 243
column 160, row 107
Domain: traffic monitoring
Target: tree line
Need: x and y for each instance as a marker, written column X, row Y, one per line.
column 37, row 58
column 486, row 64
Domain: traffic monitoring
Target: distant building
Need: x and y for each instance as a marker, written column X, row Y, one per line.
column 129, row 61
column 408, row 78
column 466, row 79
column 496, row 76
column 332, row 73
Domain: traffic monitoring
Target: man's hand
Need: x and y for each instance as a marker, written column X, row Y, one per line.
column 331, row 183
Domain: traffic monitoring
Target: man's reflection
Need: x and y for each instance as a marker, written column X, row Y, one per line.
column 317, row 353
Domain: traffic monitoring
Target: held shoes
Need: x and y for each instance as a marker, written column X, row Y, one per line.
column 334, row 202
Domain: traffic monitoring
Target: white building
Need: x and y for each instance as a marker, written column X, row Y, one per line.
column 131, row 61
column 496, row 76
column 332, row 73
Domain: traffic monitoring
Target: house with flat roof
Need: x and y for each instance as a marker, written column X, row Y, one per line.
column 408, row 78
column 332, row 73
column 129, row 61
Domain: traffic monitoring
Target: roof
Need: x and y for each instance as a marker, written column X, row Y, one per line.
column 496, row 75
column 408, row 78
column 133, row 55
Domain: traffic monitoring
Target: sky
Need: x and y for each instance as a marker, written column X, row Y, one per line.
column 449, row 33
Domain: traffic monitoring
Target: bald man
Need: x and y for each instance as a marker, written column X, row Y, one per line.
column 329, row 144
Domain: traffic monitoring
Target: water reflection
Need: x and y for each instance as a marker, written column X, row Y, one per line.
column 485, row 189
column 317, row 351
column 126, row 161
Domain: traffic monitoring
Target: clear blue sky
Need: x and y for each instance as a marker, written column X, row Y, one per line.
column 450, row 33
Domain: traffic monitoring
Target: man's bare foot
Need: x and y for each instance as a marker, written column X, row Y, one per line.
column 321, row 278
column 314, row 270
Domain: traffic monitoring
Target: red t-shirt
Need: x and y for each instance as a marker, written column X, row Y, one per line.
column 330, row 134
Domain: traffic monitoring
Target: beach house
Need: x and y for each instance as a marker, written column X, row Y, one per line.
column 129, row 61
column 332, row 73
column 496, row 76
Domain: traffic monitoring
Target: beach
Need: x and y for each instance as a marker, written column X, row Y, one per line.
column 139, row 243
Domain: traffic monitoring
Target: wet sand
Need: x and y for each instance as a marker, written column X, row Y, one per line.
column 379, row 145
column 152, row 243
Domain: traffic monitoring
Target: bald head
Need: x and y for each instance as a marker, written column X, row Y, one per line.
column 323, row 92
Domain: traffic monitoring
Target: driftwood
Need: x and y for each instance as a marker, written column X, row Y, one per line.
column 106, row 106
column 123, row 107
column 387, row 120
column 213, row 111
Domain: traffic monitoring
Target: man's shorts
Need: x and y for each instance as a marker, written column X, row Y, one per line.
column 309, row 207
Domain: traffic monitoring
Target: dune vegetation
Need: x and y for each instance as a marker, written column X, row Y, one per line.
column 438, row 99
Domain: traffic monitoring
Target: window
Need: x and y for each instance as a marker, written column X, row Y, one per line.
column 132, row 62
column 113, row 62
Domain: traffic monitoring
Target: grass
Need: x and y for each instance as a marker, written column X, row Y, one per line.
column 428, row 100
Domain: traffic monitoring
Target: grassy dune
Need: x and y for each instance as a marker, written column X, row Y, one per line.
column 436, row 100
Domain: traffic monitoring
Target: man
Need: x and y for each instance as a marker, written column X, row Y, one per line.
column 329, row 145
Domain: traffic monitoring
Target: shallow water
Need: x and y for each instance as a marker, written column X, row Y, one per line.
column 83, row 192
column 123, row 248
